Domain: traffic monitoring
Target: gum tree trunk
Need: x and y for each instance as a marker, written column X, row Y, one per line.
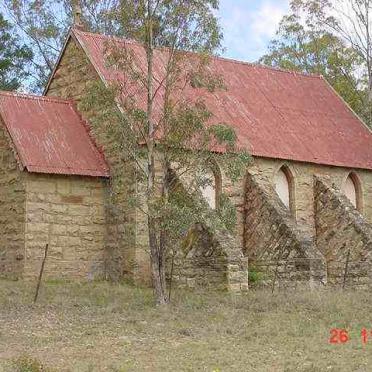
column 156, row 252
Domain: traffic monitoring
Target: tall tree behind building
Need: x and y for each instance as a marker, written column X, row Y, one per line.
column 14, row 58
column 309, row 39
column 43, row 25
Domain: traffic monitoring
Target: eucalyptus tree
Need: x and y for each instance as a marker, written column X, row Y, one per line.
column 167, row 130
column 331, row 38
column 44, row 24
column 14, row 58
column 305, row 46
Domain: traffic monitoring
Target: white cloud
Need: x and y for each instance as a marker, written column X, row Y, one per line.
column 266, row 20
column 248, row 28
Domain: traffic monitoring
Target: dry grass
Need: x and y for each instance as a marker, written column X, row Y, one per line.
column 103, row 327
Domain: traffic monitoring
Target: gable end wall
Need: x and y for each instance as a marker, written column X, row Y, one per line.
column 71, row 80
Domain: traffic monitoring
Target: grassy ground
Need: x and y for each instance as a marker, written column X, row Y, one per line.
column 103, row 327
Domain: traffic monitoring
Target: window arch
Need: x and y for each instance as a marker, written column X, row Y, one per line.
column 211, row 189
column 284, row 187
column 353, row 190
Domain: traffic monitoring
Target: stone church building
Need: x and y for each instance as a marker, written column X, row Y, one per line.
column 304, row 205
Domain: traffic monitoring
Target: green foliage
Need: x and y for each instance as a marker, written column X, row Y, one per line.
column 188, row 26
column 43, row 25
column 161, row 128
column 14, row 58
column 224, row 135
column 304, row 43
column 235, row 164
column 254, row 276
column 227, row 212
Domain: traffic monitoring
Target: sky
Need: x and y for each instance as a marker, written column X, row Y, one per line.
column 248, row 26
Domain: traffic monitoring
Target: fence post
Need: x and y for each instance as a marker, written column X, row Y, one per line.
column 41, row 273
column 346, row 269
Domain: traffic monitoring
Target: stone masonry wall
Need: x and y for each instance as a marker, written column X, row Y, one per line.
column 12, row 211
column 211, row 261
column 210, row 255
column 283, row 254
column 126, row 240
column 71, row 80
column 127, row 228
column 68, row 213
column 303, row 176
column 342, row 229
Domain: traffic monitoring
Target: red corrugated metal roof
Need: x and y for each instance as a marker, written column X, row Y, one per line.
column 275, row 113
column 50, row 136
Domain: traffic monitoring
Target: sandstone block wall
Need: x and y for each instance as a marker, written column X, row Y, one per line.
column 303, row 176
column 71, row 80
column 68, row 212
column 342, row 229
column 283, row 254
column 213, row 261
column 12, row 210
column 209, row 255
column 126, row 239
column 73, row 74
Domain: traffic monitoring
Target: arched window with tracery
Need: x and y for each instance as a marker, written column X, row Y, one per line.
column 284, row 186
column 352, row 190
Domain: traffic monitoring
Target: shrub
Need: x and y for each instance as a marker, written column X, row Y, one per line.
column 254, row 276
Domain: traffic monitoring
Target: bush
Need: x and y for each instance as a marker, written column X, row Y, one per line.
column 254, row 276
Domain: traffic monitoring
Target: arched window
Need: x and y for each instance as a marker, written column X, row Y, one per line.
column 284, row 187
column 211, row 189
column 352, row 190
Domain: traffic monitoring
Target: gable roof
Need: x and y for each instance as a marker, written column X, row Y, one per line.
column 275, row 113
column 50, row 136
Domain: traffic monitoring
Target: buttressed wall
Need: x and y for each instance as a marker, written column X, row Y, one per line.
column 282, row 253
column 209, row 255
column 304, row 218
column 344, row 236
column 303, row 187
column 12, row 210
column 126, row 240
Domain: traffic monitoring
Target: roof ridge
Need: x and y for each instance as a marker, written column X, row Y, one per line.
column 102, row 36
column 35, row 97
column 225, row 59
column 266, row 67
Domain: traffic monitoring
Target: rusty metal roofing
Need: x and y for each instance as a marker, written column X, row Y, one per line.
column 275, row 113
column 50, row 136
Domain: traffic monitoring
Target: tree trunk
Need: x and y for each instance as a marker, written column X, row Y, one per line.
column 157, row 265
column 156, row 253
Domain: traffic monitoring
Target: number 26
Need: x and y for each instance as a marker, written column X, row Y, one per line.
column 338, row 336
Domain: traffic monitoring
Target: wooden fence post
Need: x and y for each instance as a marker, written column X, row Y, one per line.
column 346, row 269
column 41, row 273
